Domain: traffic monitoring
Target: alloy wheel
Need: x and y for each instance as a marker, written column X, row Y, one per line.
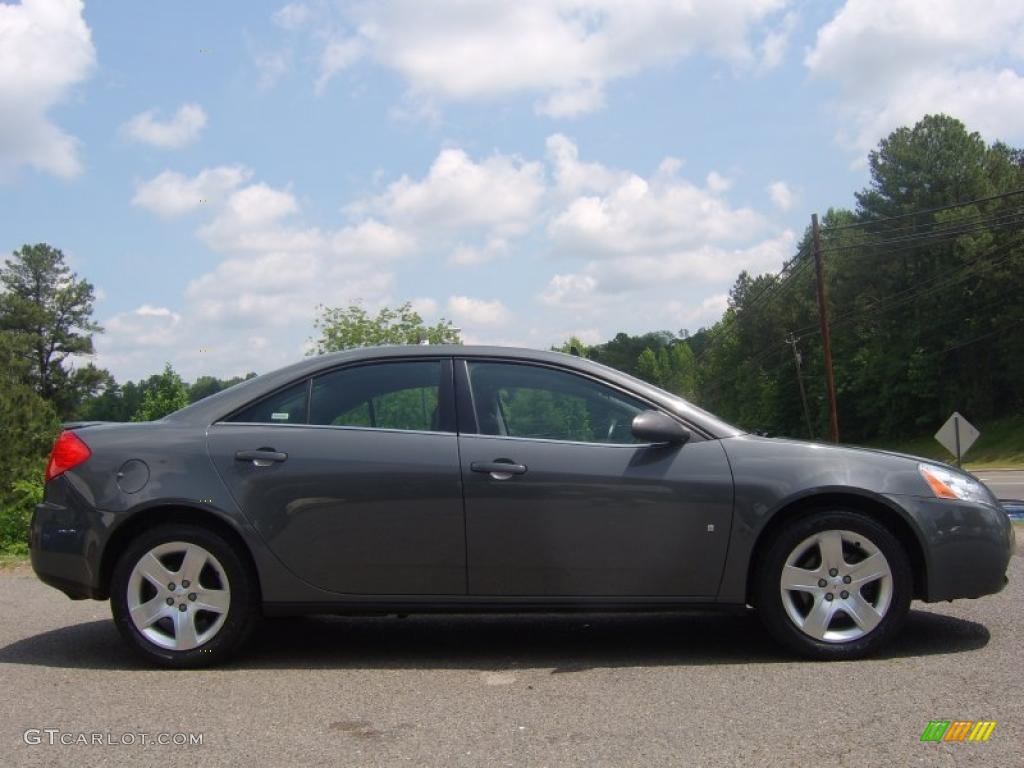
column 178, row 595
column 836, row 586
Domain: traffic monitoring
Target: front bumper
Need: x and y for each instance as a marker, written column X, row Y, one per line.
column 66, row 542
column 967, row 546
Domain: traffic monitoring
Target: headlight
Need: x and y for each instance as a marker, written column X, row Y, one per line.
column 947, row 484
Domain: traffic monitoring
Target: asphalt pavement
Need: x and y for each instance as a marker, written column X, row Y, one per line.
column 1005, row 484
column 633, row 690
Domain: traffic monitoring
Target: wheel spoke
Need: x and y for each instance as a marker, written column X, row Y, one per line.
column 192, row 564
column 214, row 600
column 149, row 613
column 800, row 579
column 154, row 571
column 862, row 612
column 869, row 569
column 820, row 618
column 830, row 543
column 185, row 630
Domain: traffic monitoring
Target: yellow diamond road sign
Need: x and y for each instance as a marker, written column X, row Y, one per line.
column 957, row 427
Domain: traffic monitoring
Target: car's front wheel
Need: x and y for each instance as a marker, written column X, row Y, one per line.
column 834, row 585
column 182, row 597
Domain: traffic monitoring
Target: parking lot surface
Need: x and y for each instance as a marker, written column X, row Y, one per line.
column 643, row 689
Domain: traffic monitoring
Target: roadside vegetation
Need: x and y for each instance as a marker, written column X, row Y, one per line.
column 923, row 277
column 1001, row 446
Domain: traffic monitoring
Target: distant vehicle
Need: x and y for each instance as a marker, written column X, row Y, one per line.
column 1014, row 508
column 473, row 479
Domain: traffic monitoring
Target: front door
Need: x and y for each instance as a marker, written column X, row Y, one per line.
column 352, row 478
column 561, row 501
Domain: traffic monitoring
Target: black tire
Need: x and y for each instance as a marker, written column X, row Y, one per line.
column 768, row 597
column 243, row 604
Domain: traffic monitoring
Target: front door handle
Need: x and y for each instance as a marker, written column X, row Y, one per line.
column 261, row 457
column 500, row 469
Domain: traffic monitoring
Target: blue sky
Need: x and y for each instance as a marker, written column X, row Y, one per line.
column 529, row 170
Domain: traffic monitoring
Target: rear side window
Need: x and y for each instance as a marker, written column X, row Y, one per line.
column 394, row 395
column 285, row 407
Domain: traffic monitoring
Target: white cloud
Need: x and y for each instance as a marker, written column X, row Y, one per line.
column 337, row 56
column 773, row 47
column 572, row 176
column 652, row 216
column 182, row 129
column 569, row 291
column 896, row 62
column 271, row 65
column 242, row 222
column 718, row 183
column 425, row 307
column 371, row 238
column 172, row 194
column 609, row 250
column 478, row 311
column 500, row 194
column 45, row 50
column 293, row 15
column 563, row 51
column 702, row 314
column 467, row 255
column 781, row 195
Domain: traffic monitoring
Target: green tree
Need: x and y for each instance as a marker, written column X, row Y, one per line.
column 204, row 386
column 347, row 327
column 165, row 394
column 672, row 368
column 573, row 346
column 920, row 325
column 30, row 425
column 623, row 351
column 42, row 299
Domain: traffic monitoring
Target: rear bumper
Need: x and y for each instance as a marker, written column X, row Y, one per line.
column 65, row 542
column 967, row 546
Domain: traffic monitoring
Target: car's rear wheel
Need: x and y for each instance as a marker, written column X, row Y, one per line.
column 834, row 585
column 182, row 597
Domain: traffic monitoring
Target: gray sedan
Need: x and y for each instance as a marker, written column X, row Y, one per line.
column 471, row 479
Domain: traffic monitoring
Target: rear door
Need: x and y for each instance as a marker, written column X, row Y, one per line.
column 561, row 501
column 352, row 478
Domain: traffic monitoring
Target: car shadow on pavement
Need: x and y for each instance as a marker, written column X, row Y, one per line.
column 565, row 643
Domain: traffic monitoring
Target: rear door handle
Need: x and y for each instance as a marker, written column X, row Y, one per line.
column 261, row 457
column 499, row 470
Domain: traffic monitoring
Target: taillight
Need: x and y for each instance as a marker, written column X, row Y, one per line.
column 68, row 452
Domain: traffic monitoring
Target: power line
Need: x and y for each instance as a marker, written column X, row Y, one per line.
column 949, row 231
column 982, row 337
column 951, row 206
column 890, row 302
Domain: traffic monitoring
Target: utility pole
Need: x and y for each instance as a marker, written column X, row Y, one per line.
column 792, row 340
column 826, row 338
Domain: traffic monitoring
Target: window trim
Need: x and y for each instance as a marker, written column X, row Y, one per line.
column 447, row 421
column 466, row 404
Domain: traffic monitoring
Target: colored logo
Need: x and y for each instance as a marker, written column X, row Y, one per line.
column 958, row 730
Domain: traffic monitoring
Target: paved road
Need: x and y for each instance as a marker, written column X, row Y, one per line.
column 1005, row 485
column 632, row 690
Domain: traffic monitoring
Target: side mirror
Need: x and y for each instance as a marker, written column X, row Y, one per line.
column 656, row 427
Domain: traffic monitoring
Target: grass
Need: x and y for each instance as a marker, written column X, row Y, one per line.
column 1001, row 446
column 8, row 560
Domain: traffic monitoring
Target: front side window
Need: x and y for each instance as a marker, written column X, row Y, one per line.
column 545, row 403
column 288, row 406
column 398, row 395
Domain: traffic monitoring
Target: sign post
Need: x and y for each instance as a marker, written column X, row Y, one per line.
column 957, row 436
